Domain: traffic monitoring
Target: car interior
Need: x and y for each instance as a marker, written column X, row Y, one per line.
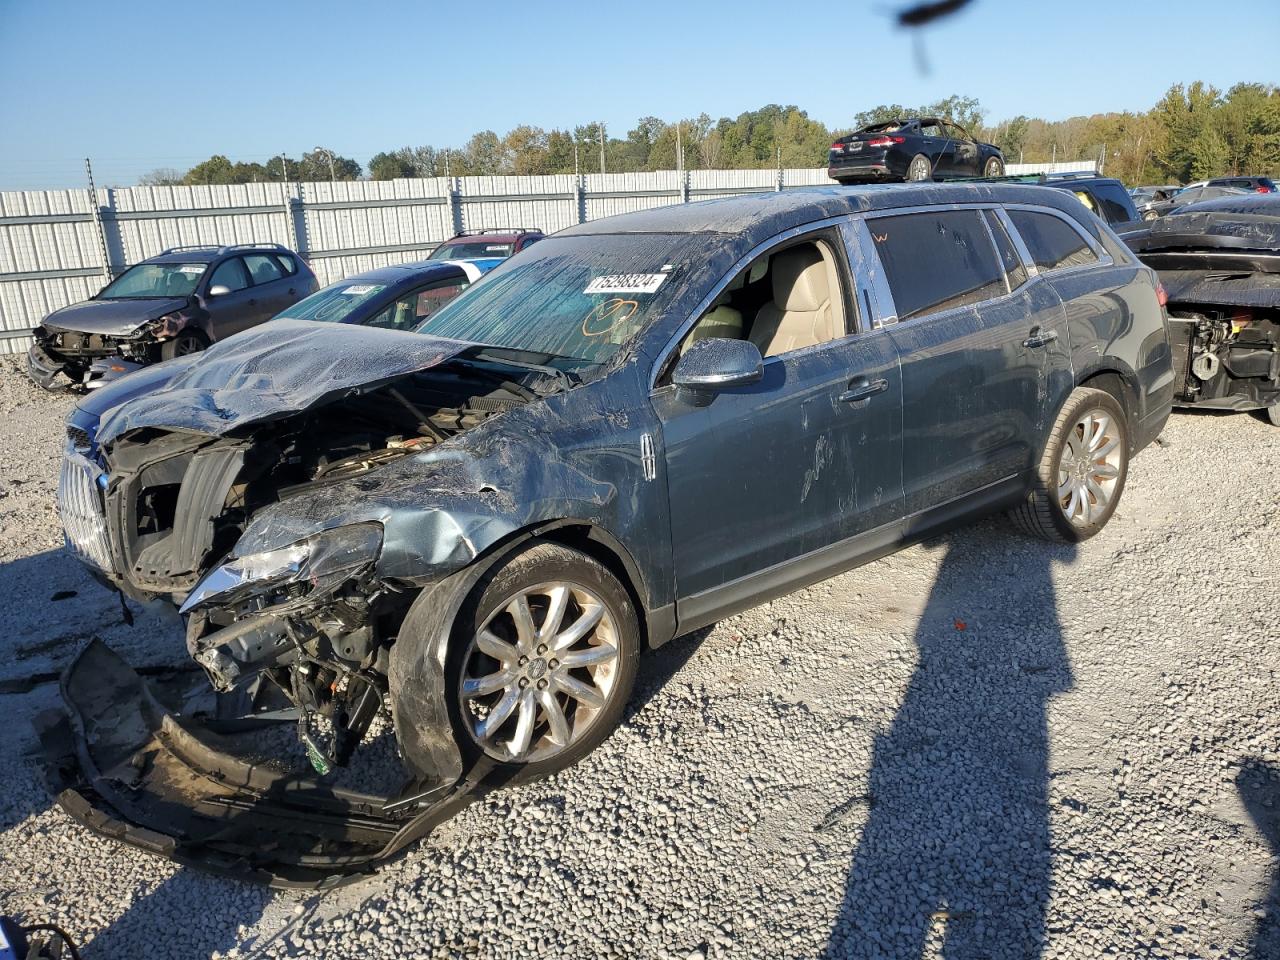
column 785, row 300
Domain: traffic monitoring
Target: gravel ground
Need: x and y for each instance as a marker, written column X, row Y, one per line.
column 985, row 742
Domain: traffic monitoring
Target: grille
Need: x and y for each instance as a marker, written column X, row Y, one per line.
column 80, row 506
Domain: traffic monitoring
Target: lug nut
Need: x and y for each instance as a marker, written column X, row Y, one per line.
column 523, row 660
column 542, row 684
column 553, row 664
column 542, row 648
column 524, row 681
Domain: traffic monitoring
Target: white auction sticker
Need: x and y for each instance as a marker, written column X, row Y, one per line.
column 193, row 268
column 360, row 289
column 627, row 283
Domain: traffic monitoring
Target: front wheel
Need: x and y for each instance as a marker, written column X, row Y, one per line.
column 994, row 167
column 1081, row 472
column 1272, row 414
column 186, row 342
column 919, row 168
column 544, row 658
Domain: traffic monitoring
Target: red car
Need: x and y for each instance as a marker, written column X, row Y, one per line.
column 480, row 244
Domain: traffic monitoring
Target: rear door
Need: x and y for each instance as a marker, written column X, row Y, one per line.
column 975, row 392
column 963, row 160
column 274, row 289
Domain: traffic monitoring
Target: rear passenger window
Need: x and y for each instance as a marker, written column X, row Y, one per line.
column 1053, row 244
column 262, row 268
column 288, row 265
column 1013, row 267
column 937, row 261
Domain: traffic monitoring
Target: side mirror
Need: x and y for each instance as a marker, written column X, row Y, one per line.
column 716, row 364
column 218, row 290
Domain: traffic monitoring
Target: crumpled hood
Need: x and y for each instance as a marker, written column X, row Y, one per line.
column 114, row 318
column 273, row 370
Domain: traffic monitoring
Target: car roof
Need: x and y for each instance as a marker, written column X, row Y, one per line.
column 420, row 270
column 200, row 254
column 755, row 218
column 493, row 237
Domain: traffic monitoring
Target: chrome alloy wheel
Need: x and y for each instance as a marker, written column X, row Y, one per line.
column 539, row 671
column 919, row 169
column 1090, row 467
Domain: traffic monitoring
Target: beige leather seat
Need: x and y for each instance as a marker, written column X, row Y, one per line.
column 802, row 313
column 721, row 320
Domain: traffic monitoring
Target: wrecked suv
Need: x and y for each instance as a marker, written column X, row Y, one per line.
column 637, row 427
column 173, row 304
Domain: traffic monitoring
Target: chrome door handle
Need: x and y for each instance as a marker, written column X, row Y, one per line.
column 1038, row 339
column 862, row 388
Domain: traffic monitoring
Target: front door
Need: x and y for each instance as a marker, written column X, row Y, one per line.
column 775, row 484
column 237, row 309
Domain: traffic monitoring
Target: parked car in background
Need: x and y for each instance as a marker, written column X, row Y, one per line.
column 913, row 149
column 1193, row 193
column 498, row 242
column 1104, row 196
column 642, row 425
column 1252, row 184
column 1219, row 261
column 398, row 297
column 1144, row 195
column 168, row 306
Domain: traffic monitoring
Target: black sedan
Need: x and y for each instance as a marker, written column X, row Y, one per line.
column 915, row 149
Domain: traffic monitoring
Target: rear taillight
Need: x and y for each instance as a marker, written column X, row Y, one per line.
column 838, row 145
column 1162, row 295
column 884, row 141
column 1261, row 189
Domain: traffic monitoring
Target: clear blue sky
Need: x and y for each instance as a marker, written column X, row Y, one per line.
column 145, row 84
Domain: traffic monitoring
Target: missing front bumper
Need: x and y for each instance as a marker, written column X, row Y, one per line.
column 127, row 769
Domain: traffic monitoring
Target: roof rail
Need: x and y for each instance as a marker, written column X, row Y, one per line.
column 1070, row 175
column 190, row 246
column 251, row 246
column 484, row 230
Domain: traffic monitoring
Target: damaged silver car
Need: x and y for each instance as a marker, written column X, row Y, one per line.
column 628, row 431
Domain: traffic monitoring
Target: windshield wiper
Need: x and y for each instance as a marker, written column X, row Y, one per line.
column 486, row 354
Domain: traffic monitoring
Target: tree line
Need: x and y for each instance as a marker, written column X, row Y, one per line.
column 1194, row 131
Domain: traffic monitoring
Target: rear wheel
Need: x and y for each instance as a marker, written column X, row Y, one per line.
column 186, row 342
column 545, row 655
column 919, row 168
column 1081, row 472
column 994, row 167
column 1272, row 414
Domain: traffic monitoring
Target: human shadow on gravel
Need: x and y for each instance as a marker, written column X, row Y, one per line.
column 956, row 848
column 1259, row 786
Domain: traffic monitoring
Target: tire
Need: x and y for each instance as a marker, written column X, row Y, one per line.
column 1044, row 513
column 542, row 566
column 1271, row 414
column 919, row 169
column 994, row 167
column 186, row 342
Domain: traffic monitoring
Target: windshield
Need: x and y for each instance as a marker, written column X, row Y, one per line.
column 575, row 298
column 334, row 303
column 155, row 280
column 472, row 250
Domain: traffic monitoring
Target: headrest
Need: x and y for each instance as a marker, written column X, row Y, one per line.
column 800, row 279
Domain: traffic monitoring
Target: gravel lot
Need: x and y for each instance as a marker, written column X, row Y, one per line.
column 1013, row 749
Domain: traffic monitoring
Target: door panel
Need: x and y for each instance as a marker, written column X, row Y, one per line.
column 237, row 310
column 763, row 474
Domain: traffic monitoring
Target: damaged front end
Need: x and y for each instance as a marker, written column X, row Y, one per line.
column 295, row 523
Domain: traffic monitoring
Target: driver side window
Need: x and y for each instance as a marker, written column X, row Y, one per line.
column 787, row 299
column 415, row 306
column 230, row 274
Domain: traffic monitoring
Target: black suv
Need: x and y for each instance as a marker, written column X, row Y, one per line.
column 1104, row 196
column 176, row 303
column 641, row 425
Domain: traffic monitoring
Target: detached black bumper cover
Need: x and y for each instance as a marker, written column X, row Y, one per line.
column 42, row 368
column 124, row 767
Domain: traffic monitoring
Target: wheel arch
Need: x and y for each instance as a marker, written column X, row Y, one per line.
column 1121, row 384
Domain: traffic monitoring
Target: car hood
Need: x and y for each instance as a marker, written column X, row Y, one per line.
column 111, row 317
column 273, row 370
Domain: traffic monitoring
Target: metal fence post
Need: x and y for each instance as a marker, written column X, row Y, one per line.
column 455, row 204
column 579, row 199
column 97, row 222
column 684, row 186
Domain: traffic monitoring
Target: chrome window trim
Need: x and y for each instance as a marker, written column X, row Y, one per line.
column 673, row 344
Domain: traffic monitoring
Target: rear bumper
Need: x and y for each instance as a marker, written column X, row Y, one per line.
column 126, row 769
column 863, row 165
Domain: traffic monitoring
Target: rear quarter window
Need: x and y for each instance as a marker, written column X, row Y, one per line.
column 937, row 261
column 1053, row 243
